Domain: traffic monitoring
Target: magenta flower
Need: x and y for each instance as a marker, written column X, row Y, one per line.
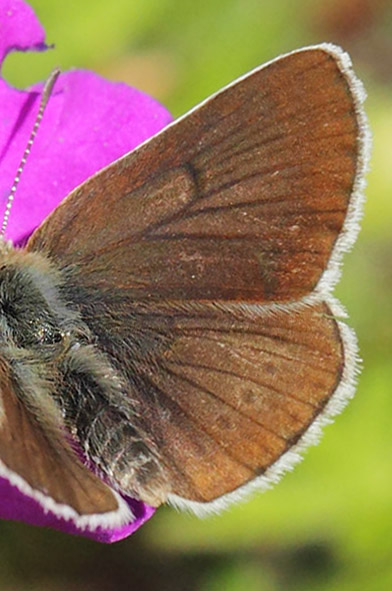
column 88, row 123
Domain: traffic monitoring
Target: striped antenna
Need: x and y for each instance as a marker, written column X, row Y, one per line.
column 47, row 91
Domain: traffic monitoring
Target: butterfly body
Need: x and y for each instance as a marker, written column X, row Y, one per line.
column 52, row 356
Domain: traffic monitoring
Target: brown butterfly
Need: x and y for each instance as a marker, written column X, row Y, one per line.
column 173, row 316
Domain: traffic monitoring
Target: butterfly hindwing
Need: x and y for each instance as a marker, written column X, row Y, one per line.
column 36, row 457
column 223, row 392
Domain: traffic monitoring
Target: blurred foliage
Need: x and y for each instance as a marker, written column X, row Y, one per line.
column 328, row 524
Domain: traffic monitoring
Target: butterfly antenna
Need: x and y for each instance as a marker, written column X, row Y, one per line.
column 47, row 91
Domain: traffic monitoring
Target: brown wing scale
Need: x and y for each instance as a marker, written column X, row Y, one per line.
column 243, row 199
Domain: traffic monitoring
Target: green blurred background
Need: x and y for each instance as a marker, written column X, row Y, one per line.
column 327, row 525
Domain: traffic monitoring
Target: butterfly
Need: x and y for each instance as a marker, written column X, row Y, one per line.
column 171, row 322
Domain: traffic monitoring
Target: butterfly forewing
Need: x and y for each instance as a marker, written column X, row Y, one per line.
column 242, row 199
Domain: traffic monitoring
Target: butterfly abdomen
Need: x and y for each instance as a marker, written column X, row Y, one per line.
column 103, row 418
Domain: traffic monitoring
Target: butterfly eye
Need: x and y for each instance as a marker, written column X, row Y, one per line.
column 33, row 332
column 25, row 316
column 47, row 334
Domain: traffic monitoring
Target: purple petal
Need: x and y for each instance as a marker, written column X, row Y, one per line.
column 19, row 507
column 88, row 123
column 20, row 28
